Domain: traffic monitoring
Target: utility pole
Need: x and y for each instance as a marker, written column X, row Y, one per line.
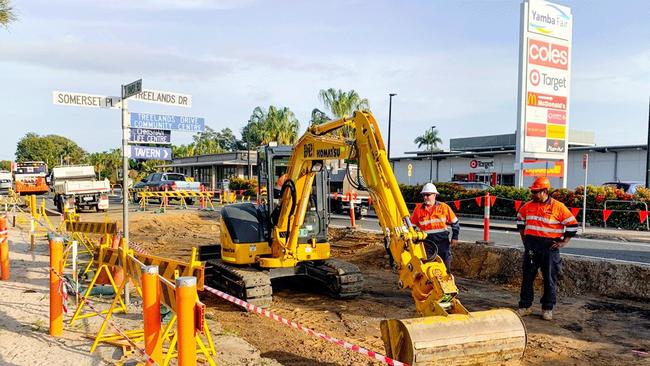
column 647, row 160
column 430, row 147
column 390, row 111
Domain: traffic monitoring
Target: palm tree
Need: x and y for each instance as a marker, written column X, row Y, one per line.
column 318, row 117
column 276, row 124
column 429, row 138
column 6, row 13
column 342, row 104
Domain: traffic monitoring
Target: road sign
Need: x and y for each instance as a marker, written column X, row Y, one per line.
column 166, row 122
column 164, row 97
column 409, row 169
column 150, row 153
column 146, row 136
column 85, row 100
column 132, row 89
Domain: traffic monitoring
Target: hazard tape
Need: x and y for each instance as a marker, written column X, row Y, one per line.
column 269, row 314
column 175, row 194
column 65, row 283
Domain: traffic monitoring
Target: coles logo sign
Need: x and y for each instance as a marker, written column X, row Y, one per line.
column 548, row 54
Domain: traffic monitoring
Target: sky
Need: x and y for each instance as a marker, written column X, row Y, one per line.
column 453, row 64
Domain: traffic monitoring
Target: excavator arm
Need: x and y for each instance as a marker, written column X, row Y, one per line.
column 446, row 332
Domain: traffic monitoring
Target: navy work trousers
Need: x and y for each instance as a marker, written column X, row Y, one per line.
column 444, row 250
column 538, row 254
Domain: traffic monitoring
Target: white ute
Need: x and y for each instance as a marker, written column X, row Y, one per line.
column 77, row 187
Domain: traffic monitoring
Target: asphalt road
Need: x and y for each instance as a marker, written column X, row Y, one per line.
column 638, row 253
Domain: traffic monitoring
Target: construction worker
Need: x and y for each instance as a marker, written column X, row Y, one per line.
column 432, row 217
column 545, row 226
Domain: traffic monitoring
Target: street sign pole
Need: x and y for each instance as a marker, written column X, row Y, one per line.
column 125, row 175
column 585, row 165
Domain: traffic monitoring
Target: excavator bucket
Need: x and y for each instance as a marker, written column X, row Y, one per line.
column 492, row 337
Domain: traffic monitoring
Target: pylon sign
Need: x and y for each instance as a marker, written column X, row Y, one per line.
column 544, row 84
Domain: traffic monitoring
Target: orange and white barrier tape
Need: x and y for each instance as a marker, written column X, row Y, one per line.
column 269, row 314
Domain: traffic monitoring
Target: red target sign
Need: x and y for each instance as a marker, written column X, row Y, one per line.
column 533, row 77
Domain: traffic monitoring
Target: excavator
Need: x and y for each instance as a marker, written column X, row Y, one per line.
column 285, row 234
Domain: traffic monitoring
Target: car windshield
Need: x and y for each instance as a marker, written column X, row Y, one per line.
column 175, row 177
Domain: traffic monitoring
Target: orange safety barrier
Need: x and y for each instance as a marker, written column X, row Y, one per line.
column 56, row 286
column 186, row 322
column 151, row 314
column 4, row 248
column 116, row 272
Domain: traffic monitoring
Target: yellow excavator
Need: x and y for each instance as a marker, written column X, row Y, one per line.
column 286, row 235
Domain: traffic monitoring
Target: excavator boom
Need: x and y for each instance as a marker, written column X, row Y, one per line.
column 445, row 333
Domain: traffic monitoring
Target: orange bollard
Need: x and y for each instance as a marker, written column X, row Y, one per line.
column 353, row 222
column 151, row 314
column 56, row 298
column 4, row 249
column 186, row 322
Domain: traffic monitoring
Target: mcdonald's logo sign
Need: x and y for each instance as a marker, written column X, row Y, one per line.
column 532, row 98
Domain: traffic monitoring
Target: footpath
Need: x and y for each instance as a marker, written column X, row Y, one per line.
column 24, row 320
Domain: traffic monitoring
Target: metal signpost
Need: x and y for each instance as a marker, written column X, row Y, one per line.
column 148, row 129
column 544, row 87
column 585, row 166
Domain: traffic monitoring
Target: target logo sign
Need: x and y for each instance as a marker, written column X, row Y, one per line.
column 534, row 77
column 473, row 164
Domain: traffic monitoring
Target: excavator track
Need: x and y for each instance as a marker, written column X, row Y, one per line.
column 342, row 280
column 249, row 284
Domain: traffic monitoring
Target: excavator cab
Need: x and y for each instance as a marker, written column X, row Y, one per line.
column 234, row 266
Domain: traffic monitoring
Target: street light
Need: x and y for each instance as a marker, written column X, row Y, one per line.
column 390, row 110
column 431, row 153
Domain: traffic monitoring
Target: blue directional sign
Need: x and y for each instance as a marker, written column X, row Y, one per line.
column 146, row 136
column 166, row 122
column 150, row 153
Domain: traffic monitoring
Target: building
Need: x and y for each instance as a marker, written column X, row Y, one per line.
column 491, row 159
column 212, row 170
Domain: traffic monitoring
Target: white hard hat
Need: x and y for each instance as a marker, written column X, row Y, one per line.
column 429, row 188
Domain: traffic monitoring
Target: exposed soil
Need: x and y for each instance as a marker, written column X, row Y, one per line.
column 585, row 331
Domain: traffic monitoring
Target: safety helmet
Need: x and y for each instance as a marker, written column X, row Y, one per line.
column 429, row 188
column 540, row 183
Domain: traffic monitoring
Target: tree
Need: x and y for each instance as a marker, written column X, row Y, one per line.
column 276, row 124
column 51, row 149
column 5, row 165
column 430, row 138
column 342, row 104
column 6, row 13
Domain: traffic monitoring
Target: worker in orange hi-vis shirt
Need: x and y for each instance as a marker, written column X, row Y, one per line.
column 545, row 226
column 433, row 218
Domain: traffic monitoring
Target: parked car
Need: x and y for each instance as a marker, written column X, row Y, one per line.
column 166, row 181
column 473, row 185
column 628, row 187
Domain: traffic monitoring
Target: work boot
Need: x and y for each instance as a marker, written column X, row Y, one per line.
column 547, row 315
column 524, row 311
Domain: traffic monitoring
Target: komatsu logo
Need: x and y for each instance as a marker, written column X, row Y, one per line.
column 333, row 152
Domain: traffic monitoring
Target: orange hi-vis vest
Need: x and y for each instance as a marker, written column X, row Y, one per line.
column 434, row 219
column 550, row 219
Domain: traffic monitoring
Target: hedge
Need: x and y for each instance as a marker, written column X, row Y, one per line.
column 625, row 215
